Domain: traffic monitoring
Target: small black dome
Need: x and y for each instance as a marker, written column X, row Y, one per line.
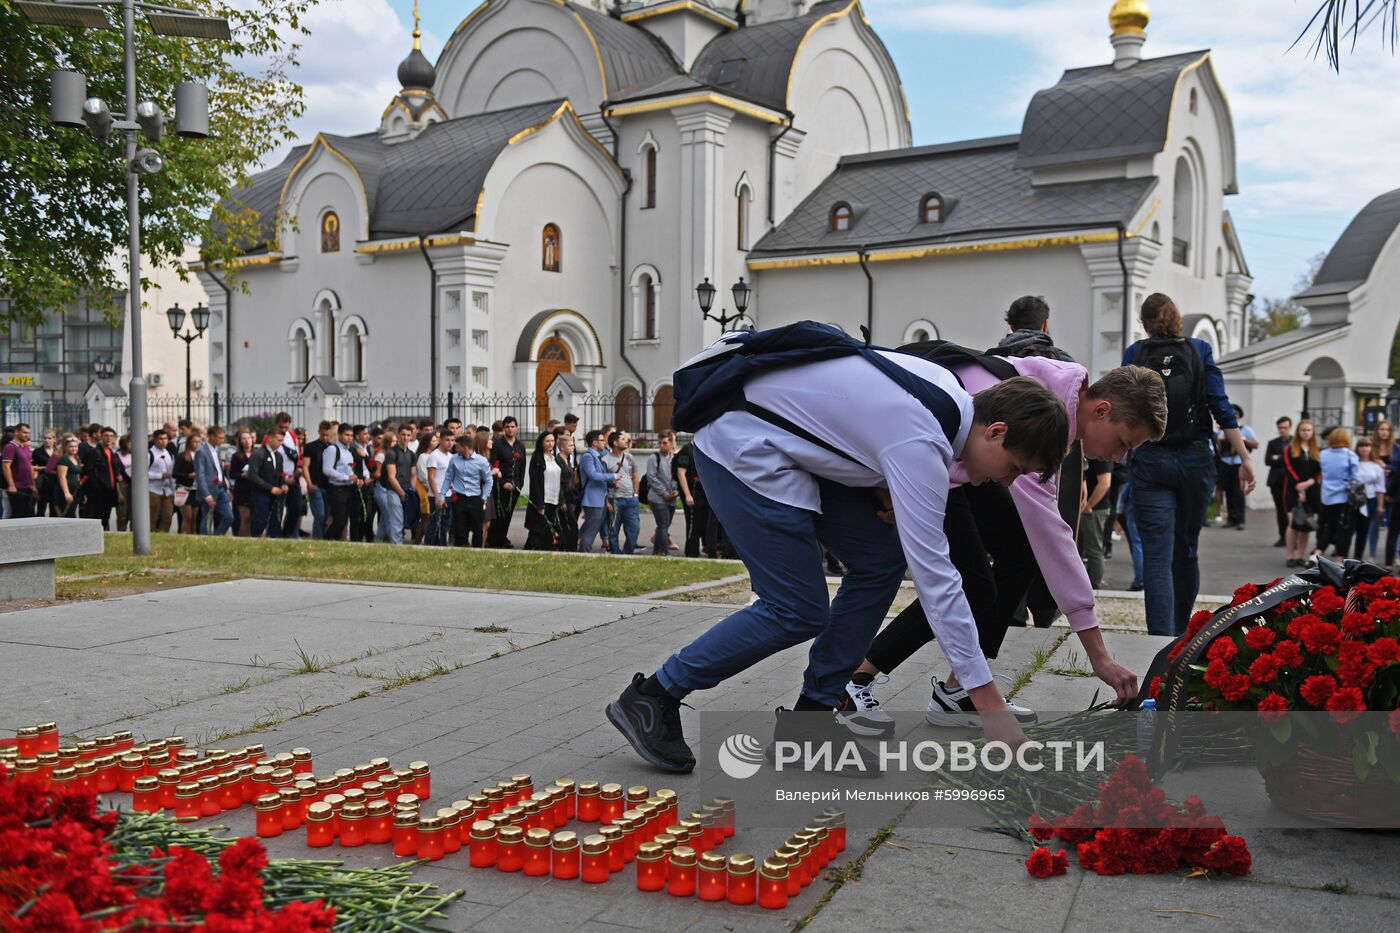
column 417, row 72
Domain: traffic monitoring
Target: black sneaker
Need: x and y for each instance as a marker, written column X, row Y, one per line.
column 955, row 709
column 860, row 710
column 652, row 725
column 849, row 756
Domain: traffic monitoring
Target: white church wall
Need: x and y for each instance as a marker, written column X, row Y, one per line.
column 521, row 52
column 1375, row 316
column 846, row 98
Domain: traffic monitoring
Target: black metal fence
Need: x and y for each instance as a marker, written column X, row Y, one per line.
column 628, row 409
column 40, row 416
column 254, row 412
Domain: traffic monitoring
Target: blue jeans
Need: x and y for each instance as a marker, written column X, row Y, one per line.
column 782, row 548
column 626, row 517
column 216, row 519
column 316, row 499
column 1125, row 508
column 592, row 524
column 662, row 512
column 1171, row 488
column 267, row 515
column 390, row 507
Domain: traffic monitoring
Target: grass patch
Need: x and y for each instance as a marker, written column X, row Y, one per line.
column 1072, row 667
column 187, row 557
column 1038, row 661
column 490, row 629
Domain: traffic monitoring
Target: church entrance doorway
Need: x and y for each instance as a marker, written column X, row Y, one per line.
column 554, row 358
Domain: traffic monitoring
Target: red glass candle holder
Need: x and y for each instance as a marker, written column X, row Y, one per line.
column 495, row 799
column 822, row 846
column 694, row 834
column 145, row 795
column 483, row 844
column 422, row 779
column 27, row 741
column 793, row 858
column 187, row 802
column 569, row 796
column 319, row 832
column 26, row 769
column 129, row 768
column 627, row 829
column 168, row 778
column 47, row 762
column 742, row 887
column 612, row 803
column 773, row 884
column 230, row 790
column 86, row 771
column 430, row 838
column 379, row 822
column 564, row 862
column 710, row 883
column 538, row 845
column 670, row 801
column 590, row 804
column 726, row 805
column 451, row 829
column 269, row 816
column 406, row 832
column 681, row 874
column 291, row 808
column 595, row 865
column 524, row 787
column 48, row 736
column 510, row 849
column 651, row 867
column 353, row 832
column 301, row 760
column 616, row 857
column 65, row 776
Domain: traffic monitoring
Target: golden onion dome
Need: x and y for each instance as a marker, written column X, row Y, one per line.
column 1128, row 17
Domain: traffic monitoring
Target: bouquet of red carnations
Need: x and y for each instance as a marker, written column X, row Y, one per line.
column 1131, row 828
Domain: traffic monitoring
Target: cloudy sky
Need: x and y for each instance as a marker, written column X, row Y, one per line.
column 1314, row 146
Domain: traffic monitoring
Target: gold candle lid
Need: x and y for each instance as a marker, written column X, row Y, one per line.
column 564, row 782
column 230, row 777
column 667, row 795
column 478, row 801
column 406, row 800
column 633, row 814
column 327, row 784
column 335, row 800
column 711, row 861
column 510, row 835
column 596, row 844
column 256, row 748
column 319, row 812
column 85, row 766
column 523, row 780
column 623, row 825
column 405, row 817
column 263, row 772
column 27, row 732
column 145, row 783
column 389, row 781
column 66, row 773
column 106, row 741
column 373, row 789
column 133, row 762
column 50, row 759
column 449, row 816
column 354, row 795
column 638, row 792
column 104, row 761
column 306, row 788
column 741, row 863
column 283, row 758
column 380, row 765
column 168, row 776
column 283, row 776
column 187, row 790
column 53, row 727
column 693, row 828
column 493, row 793
column 353, row 811
column 613, row 833
column 612, row 791
column 365, row 770
column 588, row 788
column 680, row 833
column 775, row 868
column 301, row 754
column 539, row 837
column 665, row 840
column 289, row 794
column 403, row 774
column 482, row 829
column 564, row 841
column 650, row 852
column 788, row 854
column 418, row 767
column 429, row 824
column 684, row 856
column 499, row 819
column 344, row 775
column 379, row 808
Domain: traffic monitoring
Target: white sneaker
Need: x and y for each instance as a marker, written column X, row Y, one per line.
column 861, row 712
column 954, row 708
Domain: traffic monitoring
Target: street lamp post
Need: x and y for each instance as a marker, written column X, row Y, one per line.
column 200, row 317
column 70, row 106
column 104, row 368
column 705, row 293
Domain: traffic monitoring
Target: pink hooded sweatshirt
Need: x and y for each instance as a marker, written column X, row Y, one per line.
column 1051, row 539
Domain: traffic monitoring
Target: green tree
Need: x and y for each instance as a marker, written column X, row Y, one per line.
column 1280, row 315
column 63, row 193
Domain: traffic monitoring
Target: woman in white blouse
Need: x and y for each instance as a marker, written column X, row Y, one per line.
column 1371, row 472
column 545, row 477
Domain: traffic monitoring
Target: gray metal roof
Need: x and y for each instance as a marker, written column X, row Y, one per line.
column 632, row 57
column 428, row 184
column 754, row 62
column 1102, row 113
column 1279, row 341
column 260, row 197
column 1351, row 259
column 985, row 193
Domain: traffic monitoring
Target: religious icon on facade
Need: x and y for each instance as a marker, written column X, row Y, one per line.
column 330, row 233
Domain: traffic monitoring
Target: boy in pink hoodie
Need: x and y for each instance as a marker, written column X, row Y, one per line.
column 1020, row 526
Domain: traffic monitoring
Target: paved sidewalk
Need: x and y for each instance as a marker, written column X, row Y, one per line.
column 408, row 673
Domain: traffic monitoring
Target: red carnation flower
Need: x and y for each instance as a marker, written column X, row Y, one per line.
column 1259, row 637
column 1322, row 638
column 1358, row 624
column 1041, row 828
column 1263, row 669
column 1223, row 648
column 1273, row 707
column 1198, row 620
column 1245, row 593
column 1230, row 855
column 1345, row 704
column 1300, row 623
column 1154, row 689
column 1217, row 674
column 1288, row 653
column 1317, row 689
column 1042, row 863
column 1384, row 651
column 1236, row 688
column 1326, row 601
column 1387, row 610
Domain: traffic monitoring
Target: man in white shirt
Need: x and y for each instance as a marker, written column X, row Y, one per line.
column 440, row 521
column 162, row 481
column 811, row 473
column 338, row 465
column 291, row 470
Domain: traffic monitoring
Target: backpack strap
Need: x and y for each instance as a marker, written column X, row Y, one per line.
column 778, row 421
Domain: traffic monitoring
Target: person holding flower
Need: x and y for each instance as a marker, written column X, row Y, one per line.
column 1301, row 469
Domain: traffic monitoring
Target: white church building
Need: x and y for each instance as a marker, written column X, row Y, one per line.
column 547, row 196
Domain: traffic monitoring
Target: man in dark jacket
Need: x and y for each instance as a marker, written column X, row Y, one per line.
column 1273, row 459
column 266, row 473
column 508, row 456
column 1029, row 320
column 102, row 476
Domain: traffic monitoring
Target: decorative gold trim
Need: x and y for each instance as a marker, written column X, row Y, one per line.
column 320, row 140
column 1176, row 88
column 540, row 328
column 602, row 72
column 398, row 246
column 932, row 252
column 708, row 97
column 531, row 130
column 828, row 18
column 463, row 25
column 271, row 259
column 1156, row 203
column 678, row 5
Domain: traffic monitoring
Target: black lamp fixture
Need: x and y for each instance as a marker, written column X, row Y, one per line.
column 175, row 315
column 104, row 367
column 705, row 293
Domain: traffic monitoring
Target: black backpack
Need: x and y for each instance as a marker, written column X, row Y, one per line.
column 949, row 355
column 1175, row 359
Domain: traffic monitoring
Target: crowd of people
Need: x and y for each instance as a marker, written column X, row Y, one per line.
column 411, row 482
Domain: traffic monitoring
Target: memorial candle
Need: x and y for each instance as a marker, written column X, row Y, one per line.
column 726, row 805
column 711, row 879
column 364, row 773
column 187, row 802
column 430, row 839
column 373, row 791
column 681, row 875
column 422, row 779
column 230, row 790
column 627, row 826
column 564, row 862
column 482, row 843
column 510, row 848
column 48, row 736
column 379, row 822
column 352, row 825
column 836, row 822
column 301, row 760
column 27, row 741
column 596, row 866
column 537, row 852
column 406, row 832
column 255, row 752
column 616, row 857
column 269, row 816
column 773, row 884
column 694, row 834
column 26, row 768
column 167, row 778
column 451, row 836
column 67, row 776
column 671, row 802
column 590, row 805
column 569, row 788
column 337, row 802
column 524, row 787
column 612, row 802
column 495, row 798
column 49, row 760
column 792, row 858
column 292, row 817
column 742, row 887
column 651, row 867
column 130, row 768
column 319, row 832
column 145, row 795
column 86, row 771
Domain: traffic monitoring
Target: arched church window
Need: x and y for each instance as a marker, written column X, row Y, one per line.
column 745, row 198
column 1219, row 261
column 662, row 407
column 841, row 216
column 647, row 293
column 330, row 232
column 1183, row 213
column 299, row 343
column 353, row 363
column 550, row 248
column 649, row 171
column 931, row 209
column 1191, row 101
column 627, row 409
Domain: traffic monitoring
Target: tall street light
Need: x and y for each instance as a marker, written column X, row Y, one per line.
column 705, row 294
column 70, row 106
column 200, row 317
